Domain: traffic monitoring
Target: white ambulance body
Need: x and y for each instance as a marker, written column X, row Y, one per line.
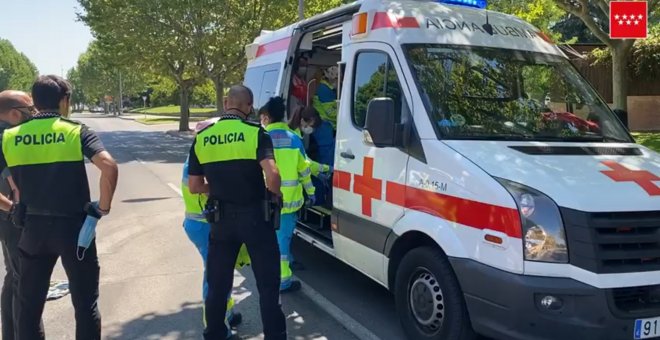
column 476, row 174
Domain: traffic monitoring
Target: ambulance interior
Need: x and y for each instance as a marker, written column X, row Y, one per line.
column 321, row 49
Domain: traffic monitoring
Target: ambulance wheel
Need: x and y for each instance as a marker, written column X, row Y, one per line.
column 429, row 301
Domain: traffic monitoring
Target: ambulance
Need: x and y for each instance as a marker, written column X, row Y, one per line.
column 477, row 175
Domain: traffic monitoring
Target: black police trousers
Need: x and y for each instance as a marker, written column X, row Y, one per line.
column 10, row 235
column 238, row 225
column 44, row 240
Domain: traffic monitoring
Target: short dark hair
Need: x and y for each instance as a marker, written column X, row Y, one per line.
column 48, row 91
column 310, row 113
column 274, row 109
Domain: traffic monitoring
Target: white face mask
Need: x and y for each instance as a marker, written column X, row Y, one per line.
column 308, row 130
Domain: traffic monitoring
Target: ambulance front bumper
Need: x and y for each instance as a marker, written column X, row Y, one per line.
column 503, row 305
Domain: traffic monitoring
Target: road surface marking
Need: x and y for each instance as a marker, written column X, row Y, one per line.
column 175, row 188
column 344, row 319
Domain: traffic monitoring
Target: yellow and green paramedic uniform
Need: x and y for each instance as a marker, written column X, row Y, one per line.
column 46, row 159
column 295, row 173
column 197, row 229
column 325, row 102
column 316, row 167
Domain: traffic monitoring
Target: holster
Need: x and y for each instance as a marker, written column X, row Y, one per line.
column 212, row 211
column 272, row 210
column 17, row 215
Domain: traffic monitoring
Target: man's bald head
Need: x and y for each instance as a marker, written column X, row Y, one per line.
column 239, row 98
column 15, row 107
column 12, row 99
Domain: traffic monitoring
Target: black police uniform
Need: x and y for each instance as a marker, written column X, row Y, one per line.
column 9, row 236
column 54, row 189
column 228, row 153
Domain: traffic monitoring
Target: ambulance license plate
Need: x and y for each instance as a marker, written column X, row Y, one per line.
column 647, row 328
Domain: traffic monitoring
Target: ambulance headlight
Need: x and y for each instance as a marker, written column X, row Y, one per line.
column 544, row 238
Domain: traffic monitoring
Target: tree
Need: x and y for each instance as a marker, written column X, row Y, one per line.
column 153, row 36
column 17, row 72
column 96, row 75
column 592, row 12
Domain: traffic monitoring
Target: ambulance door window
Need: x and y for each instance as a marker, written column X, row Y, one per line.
column 374, row 77
column 262, row 80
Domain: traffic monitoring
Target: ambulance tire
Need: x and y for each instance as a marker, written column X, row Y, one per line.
column 429, row 300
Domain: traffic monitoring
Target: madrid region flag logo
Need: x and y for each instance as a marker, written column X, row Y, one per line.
column 628, row 19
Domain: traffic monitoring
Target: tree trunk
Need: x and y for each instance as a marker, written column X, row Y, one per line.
column 620, row 55
column 219, row 84
column 185, row 108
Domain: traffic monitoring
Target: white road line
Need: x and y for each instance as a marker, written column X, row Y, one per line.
column 344, row 319
column 175, row 188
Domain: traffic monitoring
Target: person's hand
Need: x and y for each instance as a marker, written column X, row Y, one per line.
column 92, row 209
column 311, row 200
column 17, row 214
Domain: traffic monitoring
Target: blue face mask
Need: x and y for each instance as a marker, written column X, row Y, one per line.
column 86, row 235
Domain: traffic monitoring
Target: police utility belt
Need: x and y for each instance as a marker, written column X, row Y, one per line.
column 271, row 208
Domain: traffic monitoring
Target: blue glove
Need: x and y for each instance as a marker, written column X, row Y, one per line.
column 88, row 230
column 311, row 200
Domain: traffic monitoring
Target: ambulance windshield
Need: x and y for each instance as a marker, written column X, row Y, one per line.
column 488, row 93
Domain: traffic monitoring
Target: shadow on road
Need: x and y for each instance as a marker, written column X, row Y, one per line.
column 147, row 146
column 176, row 325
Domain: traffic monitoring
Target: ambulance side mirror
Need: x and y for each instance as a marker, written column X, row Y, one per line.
column 382, row 122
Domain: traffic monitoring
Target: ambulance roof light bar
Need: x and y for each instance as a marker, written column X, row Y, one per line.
column 481, row 4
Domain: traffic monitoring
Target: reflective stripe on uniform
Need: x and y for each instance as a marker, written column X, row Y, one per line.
column 290, row 183
column 42, row 141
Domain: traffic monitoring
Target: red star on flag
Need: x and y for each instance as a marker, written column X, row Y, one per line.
column 628, row 19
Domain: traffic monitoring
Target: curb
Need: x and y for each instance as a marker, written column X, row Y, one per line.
column 336, row 313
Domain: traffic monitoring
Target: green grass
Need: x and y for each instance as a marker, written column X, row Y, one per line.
column 165, row 120
column 173, row 110
column 648, row 139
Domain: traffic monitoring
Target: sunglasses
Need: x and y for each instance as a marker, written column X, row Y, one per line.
column 31, row 110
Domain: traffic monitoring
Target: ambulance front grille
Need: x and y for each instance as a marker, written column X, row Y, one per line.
column 619, row 242
column 635, row 300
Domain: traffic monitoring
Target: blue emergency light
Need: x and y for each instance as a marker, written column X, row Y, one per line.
column 469, row 3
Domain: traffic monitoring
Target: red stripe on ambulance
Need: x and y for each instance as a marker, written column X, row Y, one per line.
column 342, row 180
column 386, row 20
column 467, row 212
column 273, row 46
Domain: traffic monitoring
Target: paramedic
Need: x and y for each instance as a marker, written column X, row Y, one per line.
column 322, row 148
column 325, row 99
column 295, row 173
column 228, row 161
column 45, row 156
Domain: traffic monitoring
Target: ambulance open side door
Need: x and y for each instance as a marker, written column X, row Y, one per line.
column 366, row 175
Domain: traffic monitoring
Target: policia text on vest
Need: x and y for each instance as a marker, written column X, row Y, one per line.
column 45, row 157
column 230, row 154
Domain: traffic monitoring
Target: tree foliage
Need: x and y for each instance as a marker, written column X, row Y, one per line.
column 96, row 75
column 17, row 72
column 592, row 12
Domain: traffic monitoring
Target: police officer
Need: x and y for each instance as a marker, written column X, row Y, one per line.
column 234, row 156
column 198, row 229
column 15, row 107
column 45, row 156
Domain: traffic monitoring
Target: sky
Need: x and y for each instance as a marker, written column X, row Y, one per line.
column 46, row 31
